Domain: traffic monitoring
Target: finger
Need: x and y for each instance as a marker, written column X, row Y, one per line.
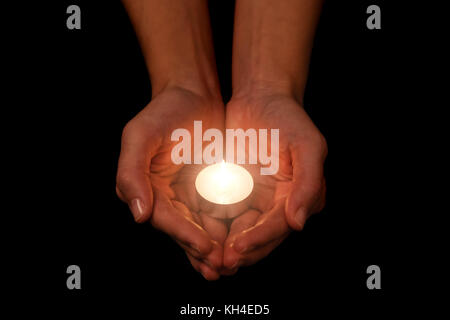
column 213, row 259
column 218, row 232
column 173, row 218
column 207, row 272
column 241, row 223
column 306, row 185
column 189, row 250
column 256, row 255
column 215, row 227
column 133, row 173
column 318, row 205
column 270, row 226
column 195, row 262
column 234, row 259
column 228, row 272
column 245, row 221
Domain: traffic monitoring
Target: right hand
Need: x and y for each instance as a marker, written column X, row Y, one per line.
column 158, row 190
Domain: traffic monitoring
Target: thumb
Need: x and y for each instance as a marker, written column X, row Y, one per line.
column 133, row 173
column 307, row 186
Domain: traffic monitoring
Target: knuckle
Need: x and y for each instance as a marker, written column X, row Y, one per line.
column 123, row 179
column 128, row 129
column 118, row 192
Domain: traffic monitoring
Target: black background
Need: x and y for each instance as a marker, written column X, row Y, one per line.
column 92, row 81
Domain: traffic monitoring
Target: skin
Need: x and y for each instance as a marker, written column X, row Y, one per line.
column 180, row 61
column 280, row 202
column 271, row 51
column 165, row 190
column 270, row 67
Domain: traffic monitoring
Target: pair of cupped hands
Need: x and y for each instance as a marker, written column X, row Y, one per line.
column 159, row 191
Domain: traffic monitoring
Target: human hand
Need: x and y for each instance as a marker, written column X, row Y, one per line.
column 158, row 190
column 280, row 202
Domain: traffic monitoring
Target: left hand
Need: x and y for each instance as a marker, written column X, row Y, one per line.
column 280, row 202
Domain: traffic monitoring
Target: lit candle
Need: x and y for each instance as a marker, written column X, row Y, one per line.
column 224, row 183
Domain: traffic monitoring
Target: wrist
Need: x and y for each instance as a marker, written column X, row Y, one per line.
column 257, row 90
column 199, row 86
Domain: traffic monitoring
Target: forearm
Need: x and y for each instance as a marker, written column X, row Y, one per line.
column 176, row 42
column 272, row 45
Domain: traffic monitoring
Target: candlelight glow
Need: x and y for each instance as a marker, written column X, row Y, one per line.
column 224, row 183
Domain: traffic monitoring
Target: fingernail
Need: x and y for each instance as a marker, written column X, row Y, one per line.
column 234, row 266
column 137, row 209
column 300, row 217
